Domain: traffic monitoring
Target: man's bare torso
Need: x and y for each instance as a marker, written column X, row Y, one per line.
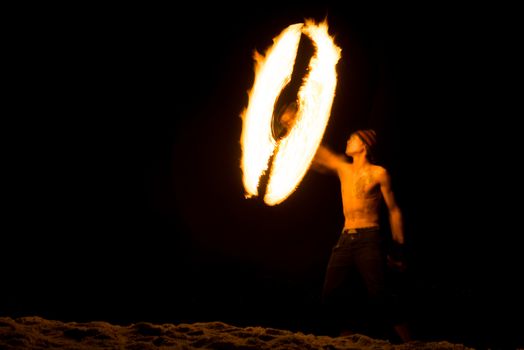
column 361, row 196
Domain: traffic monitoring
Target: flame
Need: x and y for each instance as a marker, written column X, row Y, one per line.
column 293, row 153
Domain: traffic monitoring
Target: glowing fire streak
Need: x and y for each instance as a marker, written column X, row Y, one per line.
column 272, row 75
column 295, row 151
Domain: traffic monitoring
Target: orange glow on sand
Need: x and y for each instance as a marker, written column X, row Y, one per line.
column 296, row 150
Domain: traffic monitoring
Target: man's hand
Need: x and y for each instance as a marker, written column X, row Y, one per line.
column 396, row 264
column 396, row 258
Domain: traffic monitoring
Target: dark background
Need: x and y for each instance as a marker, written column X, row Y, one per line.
column 124, row 193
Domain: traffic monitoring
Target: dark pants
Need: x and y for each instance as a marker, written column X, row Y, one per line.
column 354, row 293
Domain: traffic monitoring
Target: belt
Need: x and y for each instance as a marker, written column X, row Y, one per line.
column 352, row 231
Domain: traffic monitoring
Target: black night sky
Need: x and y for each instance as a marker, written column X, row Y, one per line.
column 125, row 200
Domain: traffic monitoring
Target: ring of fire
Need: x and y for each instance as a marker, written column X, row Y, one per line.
column 291, row 155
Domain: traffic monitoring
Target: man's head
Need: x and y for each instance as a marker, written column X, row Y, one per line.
column 360, row 141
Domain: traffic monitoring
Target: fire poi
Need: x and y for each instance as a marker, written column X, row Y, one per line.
column 292, row 154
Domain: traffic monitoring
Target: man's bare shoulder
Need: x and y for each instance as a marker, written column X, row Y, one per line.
column 378, row 169
column 379, row 172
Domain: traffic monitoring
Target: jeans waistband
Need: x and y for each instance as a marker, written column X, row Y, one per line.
column 352, row 231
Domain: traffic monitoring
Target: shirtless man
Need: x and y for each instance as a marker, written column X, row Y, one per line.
column 360, row 246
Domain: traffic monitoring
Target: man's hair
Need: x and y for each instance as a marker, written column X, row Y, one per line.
column 369, row 138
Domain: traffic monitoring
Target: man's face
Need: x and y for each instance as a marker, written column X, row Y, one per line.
column 354, row 145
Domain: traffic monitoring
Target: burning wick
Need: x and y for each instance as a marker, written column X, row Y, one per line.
column 284, row 120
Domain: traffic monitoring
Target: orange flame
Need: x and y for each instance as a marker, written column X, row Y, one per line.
column 296, row 150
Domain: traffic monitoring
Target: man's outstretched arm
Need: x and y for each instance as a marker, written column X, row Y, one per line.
column 326, row 160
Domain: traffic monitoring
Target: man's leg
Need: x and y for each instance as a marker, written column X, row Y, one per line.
column 334, row 292
column 370, row 262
